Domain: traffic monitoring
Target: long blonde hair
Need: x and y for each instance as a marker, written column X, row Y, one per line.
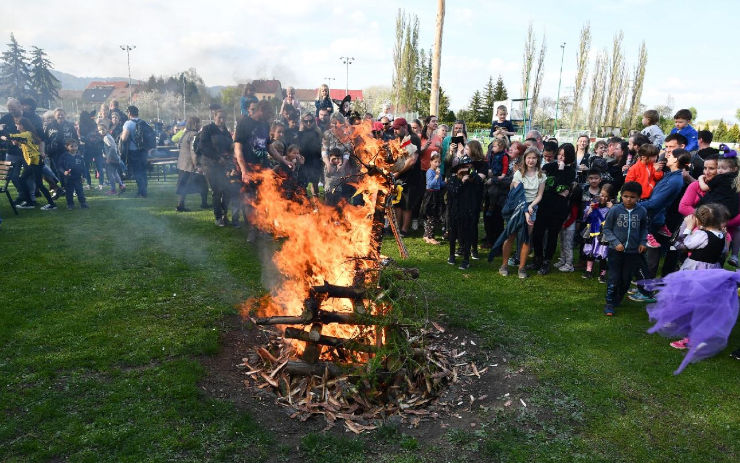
column 523, row 162
column 318, row 92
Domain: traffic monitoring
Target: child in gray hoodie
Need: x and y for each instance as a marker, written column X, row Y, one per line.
column 625, row 228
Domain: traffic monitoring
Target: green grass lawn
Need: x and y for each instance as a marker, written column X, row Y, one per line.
column 106, row 311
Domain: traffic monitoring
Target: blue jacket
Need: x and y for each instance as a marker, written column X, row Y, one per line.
column 434, row 182
column 665, row 192
column 74, row 163
column 691, row 135
column 626, row 227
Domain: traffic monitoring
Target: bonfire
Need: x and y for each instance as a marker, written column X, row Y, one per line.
column 343, row 349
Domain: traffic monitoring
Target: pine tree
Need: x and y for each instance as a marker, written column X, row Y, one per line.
column 43, row 83
column 733, row 135
column 499, row 91
column 488, row 100
column 476, row 107
column 444, row 107
column 720, row 133
column 14, row 74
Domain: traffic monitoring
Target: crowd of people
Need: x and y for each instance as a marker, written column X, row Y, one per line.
column 617, row 208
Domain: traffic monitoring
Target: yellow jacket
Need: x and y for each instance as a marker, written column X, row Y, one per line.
column 30, row 149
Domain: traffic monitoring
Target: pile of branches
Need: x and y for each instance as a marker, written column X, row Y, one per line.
column 363, row 396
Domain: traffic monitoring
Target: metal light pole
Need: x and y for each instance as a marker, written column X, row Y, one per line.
column 184, row 117
column 560, row 79
column 347, row 60
column 128, row 49
column 329, row 79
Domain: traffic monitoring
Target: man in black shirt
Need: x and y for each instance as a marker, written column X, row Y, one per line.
column 216, row 151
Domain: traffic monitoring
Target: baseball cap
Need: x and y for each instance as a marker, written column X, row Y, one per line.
column 399, row 122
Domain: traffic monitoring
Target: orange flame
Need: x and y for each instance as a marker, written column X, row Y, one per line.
column 322, row 243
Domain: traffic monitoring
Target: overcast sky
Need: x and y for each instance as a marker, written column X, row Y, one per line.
column 692, row 46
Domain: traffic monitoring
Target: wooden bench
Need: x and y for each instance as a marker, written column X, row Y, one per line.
column 5, row 169
column 161, row 165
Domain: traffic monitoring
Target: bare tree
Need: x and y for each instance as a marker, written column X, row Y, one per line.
column 584, row 47
column 598, row 82
column 616, row 70
column 638, row 79
column 437, row 58
column 529, row 50
column 539, row 72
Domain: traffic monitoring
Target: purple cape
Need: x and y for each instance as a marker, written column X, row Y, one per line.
column 699, row 304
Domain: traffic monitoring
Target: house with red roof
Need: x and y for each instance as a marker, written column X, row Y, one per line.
column 101, row 92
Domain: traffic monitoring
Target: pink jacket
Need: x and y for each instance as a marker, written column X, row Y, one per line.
column 693, row 194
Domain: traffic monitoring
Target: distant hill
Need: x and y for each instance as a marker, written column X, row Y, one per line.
column 72, row 82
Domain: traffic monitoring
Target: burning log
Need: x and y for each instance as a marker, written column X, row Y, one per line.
column 322, row 316
column 312, row 351
column 297, row 367
column 344, row 292
column 295, row 333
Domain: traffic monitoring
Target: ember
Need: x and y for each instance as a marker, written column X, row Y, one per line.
column 344, row 353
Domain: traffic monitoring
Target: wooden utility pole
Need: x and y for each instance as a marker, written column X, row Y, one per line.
column 437, row 60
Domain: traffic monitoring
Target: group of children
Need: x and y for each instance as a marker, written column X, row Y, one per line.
column 73, row 167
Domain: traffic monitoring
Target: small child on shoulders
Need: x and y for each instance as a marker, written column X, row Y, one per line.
column 652, row 130
column 682, row 120
column 501, row 126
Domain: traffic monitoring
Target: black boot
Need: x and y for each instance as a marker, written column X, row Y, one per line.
column 545, row 268
column 535, row 264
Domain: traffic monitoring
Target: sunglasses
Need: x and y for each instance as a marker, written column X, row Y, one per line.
column 307, row 121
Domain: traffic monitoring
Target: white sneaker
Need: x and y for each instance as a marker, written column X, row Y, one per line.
column 48, row 207
column 100, row 187
column 415, row 224
column 566, row 268
column 86, row 187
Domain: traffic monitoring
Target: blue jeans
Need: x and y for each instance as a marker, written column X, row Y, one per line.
column 137, row 161
column 74, row 185
column 621, row 268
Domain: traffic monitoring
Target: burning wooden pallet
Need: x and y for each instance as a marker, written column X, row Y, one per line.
column 315, row 315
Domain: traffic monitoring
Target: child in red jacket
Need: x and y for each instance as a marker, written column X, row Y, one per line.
column 645, row 171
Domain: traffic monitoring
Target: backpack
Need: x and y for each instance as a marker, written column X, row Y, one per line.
column 197, row 145
column 144, row 136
